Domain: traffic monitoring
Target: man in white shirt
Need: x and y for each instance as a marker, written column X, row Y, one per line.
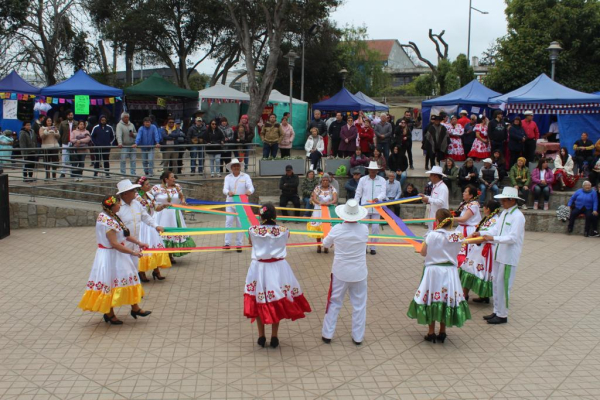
column 393, row 191
column 508, row 235
column 237, row 182
column 439, row 194
column 371, row 189
column 349, row 271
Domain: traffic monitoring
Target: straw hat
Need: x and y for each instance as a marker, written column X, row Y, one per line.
column 125, row 186
column 351, row 211
column 437, row 170
column 233, row 162
column 508, row 193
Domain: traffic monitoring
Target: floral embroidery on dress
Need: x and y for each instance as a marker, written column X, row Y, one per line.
column 260, row 296
column 455, row 237
column 261, row 230
column 108, row 221
column 251, row 287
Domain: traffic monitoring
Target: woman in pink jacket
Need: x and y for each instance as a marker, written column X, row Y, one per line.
column 80, row 139
column 285, row 147
column 542, row 178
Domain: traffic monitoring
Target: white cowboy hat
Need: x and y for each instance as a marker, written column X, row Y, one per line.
column 125, row 186
column 232, row 162
column 508, row 193
column 528, row 112
column 373, row 165
column 351, row 211
column 463, row 112
column 436, row 170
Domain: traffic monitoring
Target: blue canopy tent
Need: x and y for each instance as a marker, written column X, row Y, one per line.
column 577, row 112
column 17, row 87
column 343, row 101
column 83, row 84
column 378, row 106
column 472, row 97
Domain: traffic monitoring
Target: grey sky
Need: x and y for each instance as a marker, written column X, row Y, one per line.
column 410, row 21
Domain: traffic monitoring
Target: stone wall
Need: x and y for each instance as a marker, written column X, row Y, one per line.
column 28, row 215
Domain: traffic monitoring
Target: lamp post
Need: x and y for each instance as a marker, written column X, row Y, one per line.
column 311, row 32
column 291, row 57
column 343, row 73
column 554, row 49
column 469, row 39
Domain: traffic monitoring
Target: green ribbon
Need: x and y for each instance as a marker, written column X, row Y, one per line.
column 507, row 271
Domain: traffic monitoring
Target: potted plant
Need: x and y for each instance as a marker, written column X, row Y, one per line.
column 276, row 166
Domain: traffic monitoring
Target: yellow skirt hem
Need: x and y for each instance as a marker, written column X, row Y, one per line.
column 156, row 260
column 97, row 301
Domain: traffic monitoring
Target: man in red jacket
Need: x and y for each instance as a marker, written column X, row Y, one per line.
column 533, row 134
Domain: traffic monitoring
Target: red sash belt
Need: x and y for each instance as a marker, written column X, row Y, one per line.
column 487, row 254
column 103, row 247
column 271, row 260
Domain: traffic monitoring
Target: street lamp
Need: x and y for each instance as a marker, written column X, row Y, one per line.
column 343, row 73
column 554, row 49
column 291, row 57
column 311, row 32
column 469, row 39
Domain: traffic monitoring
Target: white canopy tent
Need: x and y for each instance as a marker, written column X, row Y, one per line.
column 278, row 97
column 221, row 100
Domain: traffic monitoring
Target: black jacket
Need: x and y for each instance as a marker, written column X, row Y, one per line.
column 335, row 129
column 515, row 138
column 462, row 175
column 196, row 132
column 214, row 137
column 468, row 137
column 320, row 125
column 497, row 131
column 289, row 185
column 398, row 162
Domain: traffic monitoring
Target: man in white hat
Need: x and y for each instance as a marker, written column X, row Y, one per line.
column 439, row 194
column 349, row 270
column 508, row 235
column 371, row 189
column 237, row 182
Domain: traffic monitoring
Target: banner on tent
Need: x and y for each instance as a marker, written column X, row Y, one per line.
column 16, row 96
column 161, row 102
column 92, row 102
column 150, row 105
column 554, row 108
column 9, row 109
column 219, row 101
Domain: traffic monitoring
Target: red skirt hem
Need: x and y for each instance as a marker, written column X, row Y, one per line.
column 455, row 157
column 476, row 154
column 273, row 312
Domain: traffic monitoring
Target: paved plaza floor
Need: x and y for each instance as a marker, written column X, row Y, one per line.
column 198, row 345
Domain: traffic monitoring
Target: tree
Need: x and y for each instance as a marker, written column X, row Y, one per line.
column 441, row 48
column 13, row 13
column 521, row 55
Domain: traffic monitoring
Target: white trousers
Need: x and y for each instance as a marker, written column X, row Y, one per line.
column 374, row 228
column 498, row 278
column 65, row 160
column 231, row 222
column 358, row 298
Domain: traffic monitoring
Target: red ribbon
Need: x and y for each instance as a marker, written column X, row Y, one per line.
column 487, row 253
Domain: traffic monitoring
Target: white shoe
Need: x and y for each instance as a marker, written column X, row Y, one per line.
column 212, row 175
column 312, row 167
column 524, row 207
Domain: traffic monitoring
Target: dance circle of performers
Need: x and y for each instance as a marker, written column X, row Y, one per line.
column 143, row 228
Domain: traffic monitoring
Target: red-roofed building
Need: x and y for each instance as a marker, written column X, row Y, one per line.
column 396, row 61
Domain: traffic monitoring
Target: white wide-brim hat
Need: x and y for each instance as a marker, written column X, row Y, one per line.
column 351, row 211
column 528, row 112
column 232, row 162
column 508, row 193
column 436, row 170
column 463, row 112
column 125, row 186
column 373, row 165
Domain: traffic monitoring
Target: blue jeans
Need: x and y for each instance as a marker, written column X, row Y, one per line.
column 307, row 205
column 538, row 191
column 128, row 152
column 148, row 161
column 197, row 156
column 215, row 163
column 402, row 178
column 270, row 150
column 483, row 189
column 384, row 148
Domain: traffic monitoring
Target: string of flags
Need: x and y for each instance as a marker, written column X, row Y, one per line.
column 16, row 96
column 219, row 101
column 57, row 100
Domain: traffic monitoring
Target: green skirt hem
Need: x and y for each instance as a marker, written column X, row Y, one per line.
column 476, row 284
column 172, row 245
column 440, row 312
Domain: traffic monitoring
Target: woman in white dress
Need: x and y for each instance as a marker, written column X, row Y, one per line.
column 114, row 278
column 169, row 192
column 440, row 295
column 476, row 271
column 323, row 195
column 272, row 292
column 468, row 218
column 151, row 262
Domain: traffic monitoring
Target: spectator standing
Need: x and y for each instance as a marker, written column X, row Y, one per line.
column 27, row 140
column 398, row 164
column 359, row 161
column 533, row 134
column 149, row 137
column 468, row 175
column 352, row 184
column 6, row 146
column 383, row 133
column 404, row 136
column 469, row 136
column 488, row 179
column 271, row 135
column 348, row 136
column 170, row 137
column 435, row 142
column 334, row 131
column 371, row 189
column 481, row 147
column 393, row 191
column 65, row 129
column 321, row 126
column 438, row 198
column 584, row 153
column 516, row 141
column 520, row 179
column 195, row 137
column 103, row 137
column 314, row 148
column 497, row 132
column 126, row 134
column 285, row 147
column 563, row 170
column 366, row 138
column 214, row 140
column 229, row 139
column 584, row 202
column 543, row 179
column 450, row 170
column 456, row 150
column 288, row 184
column 50, row 138
column 500, row 164
column 80, row 140
column 308, row 186
column 463, row 120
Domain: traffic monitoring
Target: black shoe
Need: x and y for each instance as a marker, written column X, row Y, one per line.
column 586, row 235
column 227, row 247
column 594, row 234
column 112, row 321
column 319, row 249
column 274, row 342
column 325, row 340
column 430, row 338
column 238, row 249
column 411, row 167
column 143, row 279
column 326, row 250
column 441, row 337
column 356, row 343
column 155, row 276
column 261, row 341
column 373, row 252
column 497, row 320
column 62, row 175
column 485, row 300
column 570, row 230
column 467, row 299
column 488, row 317
column 139, row 313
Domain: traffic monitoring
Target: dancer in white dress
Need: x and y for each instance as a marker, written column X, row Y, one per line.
column 468, row 218
column 169, row 192
column 272, row 292
column 323, row 196
column 151, row 262
column 114, row 280
column 440, row 295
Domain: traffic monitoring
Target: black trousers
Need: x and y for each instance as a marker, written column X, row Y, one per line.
column 408, row 147
column 285, row 152
column 591, row 221
column 497, row 146
column 102, row 154
column 530, row 150
column 284, row 199
column 579, row 160
column 335, row 145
